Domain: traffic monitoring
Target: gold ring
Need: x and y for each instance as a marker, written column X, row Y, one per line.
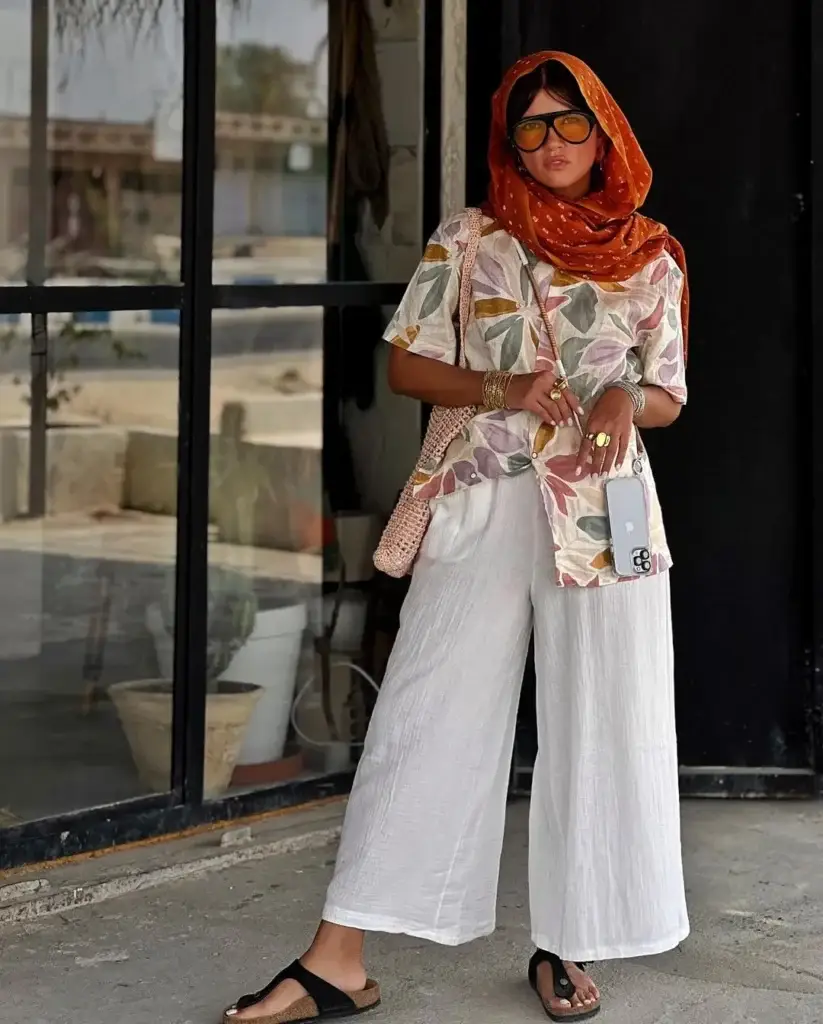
column 556, row 395
column 602, row 440
column 591, row 437
column 561, row 384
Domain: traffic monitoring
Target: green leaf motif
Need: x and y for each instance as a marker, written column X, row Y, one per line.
column 501, row 327
column 586, row 386
column 431, row 274
column 512, row 344
column 597, row 527
column 434, row 298
column 620, row 325
column 572, row 353
column 672, row 316
column 581, row 311
column 518, row 463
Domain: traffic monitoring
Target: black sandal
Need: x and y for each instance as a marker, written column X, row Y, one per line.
column 323, row 1002
column 563, row 988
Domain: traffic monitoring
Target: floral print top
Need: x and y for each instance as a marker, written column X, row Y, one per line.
column 605, row 331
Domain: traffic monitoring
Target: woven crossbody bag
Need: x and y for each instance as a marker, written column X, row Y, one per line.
column 405, row 530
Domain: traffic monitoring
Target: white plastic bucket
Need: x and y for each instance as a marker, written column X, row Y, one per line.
column 270, row 658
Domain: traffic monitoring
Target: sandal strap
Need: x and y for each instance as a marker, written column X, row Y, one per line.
column 329, row 999
column 563, row 987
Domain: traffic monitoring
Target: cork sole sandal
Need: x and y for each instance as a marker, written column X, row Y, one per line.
column 323, row 1001
column 563, row 988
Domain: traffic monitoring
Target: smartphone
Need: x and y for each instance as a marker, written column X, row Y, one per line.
column 629, row 522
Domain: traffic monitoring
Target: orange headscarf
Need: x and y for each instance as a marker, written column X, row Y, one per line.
column 601, row 236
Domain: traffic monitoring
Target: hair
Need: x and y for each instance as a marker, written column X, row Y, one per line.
column 554, row 78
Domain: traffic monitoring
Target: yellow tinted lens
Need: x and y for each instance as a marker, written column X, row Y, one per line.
column 573, row 127
column 530, row 135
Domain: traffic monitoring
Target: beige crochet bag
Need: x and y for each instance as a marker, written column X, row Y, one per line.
column 401, row 540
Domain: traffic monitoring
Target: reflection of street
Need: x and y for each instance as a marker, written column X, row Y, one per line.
column 155, row 345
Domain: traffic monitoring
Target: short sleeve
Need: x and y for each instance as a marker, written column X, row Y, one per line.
column 424, row 321
column 658, row 328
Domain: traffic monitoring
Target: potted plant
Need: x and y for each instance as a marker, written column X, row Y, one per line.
column 145, row 706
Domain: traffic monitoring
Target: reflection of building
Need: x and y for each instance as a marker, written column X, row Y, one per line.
column 110, row 195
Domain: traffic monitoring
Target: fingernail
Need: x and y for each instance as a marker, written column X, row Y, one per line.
column 564, row 1003
column 578, row 471
column 569, row 422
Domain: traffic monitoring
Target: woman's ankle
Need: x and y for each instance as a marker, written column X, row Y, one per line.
column 337, row 949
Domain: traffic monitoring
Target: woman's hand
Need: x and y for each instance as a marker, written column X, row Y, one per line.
column 544, row 394
column 613, row 415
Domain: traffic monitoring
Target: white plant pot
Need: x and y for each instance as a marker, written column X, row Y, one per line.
column 269, row 659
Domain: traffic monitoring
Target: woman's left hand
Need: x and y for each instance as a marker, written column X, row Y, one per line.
column 613, row 415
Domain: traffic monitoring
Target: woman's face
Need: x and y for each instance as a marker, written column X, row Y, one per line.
column 562, row 166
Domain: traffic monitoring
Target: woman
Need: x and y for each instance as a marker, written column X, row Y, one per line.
column 521, row 543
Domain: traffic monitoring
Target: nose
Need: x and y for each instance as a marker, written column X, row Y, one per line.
column 553, row 140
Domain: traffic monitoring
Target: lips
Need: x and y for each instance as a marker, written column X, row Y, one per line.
column 558, row 163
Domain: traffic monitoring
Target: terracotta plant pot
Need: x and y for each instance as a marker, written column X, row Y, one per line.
column 145, row 710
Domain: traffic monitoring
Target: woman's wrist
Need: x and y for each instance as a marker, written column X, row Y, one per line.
column 635, row 392
column 496, row 388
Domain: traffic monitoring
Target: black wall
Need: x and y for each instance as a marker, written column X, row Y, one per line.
column 719, row 95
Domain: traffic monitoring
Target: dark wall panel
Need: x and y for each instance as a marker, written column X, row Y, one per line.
column 714, row 92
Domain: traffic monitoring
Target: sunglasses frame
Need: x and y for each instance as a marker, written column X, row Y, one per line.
column 549, row 121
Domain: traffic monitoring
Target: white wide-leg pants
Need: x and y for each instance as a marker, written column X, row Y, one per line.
column 421, row 845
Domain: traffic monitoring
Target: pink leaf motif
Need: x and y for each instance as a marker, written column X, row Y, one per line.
column 667, row 372
column 487, row 463
column 604, row 353
column 564, row 467
column 561, row 492
column 499, row 439
column 660, row 271
column 430, row 489
column 554, row 303
column 567, row 581
column 651, row 323
column 449, row 483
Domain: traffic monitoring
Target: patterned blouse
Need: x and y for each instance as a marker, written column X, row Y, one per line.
column 605, row 331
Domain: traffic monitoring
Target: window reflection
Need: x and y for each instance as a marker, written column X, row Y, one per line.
column 90, row 142
column 85, row 695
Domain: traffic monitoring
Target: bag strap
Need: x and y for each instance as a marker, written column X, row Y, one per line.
column 475, row 218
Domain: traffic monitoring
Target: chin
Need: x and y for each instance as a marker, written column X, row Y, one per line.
column 561, row 179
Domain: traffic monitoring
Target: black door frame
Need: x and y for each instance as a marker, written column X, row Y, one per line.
column 184, row 807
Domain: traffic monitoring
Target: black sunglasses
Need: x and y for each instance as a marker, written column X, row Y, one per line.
column 573, row 126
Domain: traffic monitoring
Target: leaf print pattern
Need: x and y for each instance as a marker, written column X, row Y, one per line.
column 544, row 435
column 581, row 312
column 435, row 253
column 605, row 331
column 651, row 323
column 434, row 297
column 512, row 343
column 484, row 308
column 618, row 323
column 597, row 527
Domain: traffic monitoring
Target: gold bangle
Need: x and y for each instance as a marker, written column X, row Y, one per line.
column 495, row 388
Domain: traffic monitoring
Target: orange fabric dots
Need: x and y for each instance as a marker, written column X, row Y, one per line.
column 602, row 235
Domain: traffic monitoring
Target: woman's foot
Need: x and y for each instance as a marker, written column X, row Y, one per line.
column 336, row 956
column 564, row 988
column 586, row 994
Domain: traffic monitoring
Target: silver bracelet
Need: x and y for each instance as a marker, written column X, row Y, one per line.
column 635, row 393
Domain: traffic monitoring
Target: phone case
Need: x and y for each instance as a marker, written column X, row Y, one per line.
column 629, row 523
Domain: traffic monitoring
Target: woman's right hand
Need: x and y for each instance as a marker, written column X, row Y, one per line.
column 533, row 391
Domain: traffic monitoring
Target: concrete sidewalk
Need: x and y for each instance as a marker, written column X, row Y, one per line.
column 176, row 953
